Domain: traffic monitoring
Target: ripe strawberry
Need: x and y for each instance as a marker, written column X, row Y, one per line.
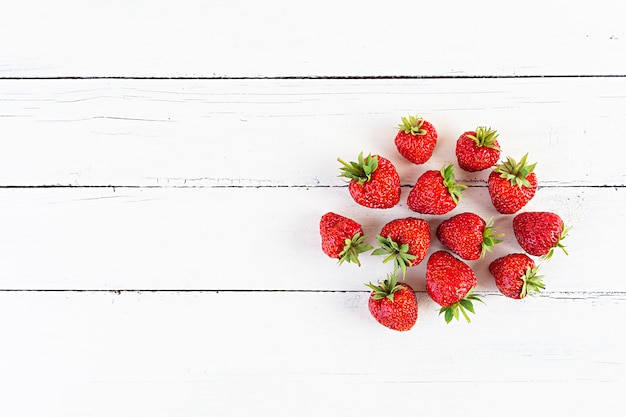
column 450, row 283
column 416, row 139
column 516, row 275
column 435, row 192
column 468, row 235
column 393, row 305
column 342, row 238
column 406, row 241
column 540, row 232
column 478, row 150
column 512, row 185
column 374, row 181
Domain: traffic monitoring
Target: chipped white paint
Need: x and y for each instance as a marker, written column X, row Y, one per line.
column 264, row 133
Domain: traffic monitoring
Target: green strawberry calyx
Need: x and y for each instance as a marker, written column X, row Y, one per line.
column 352, row 248
column 361, row 170
column 387, row 288
column 455, row 190
column 412, row 125
column 490, row 238
column 533, row 283
column 462, row 306
column 558, row 244
column 396, row 252
column 516, row 172
column 485, row 137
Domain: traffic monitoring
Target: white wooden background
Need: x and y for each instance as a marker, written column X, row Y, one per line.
column 163, row 169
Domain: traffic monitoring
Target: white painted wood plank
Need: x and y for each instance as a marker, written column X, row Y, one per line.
column 282, row 38
column 290, row 132
column 261, row 238
column 235, row 354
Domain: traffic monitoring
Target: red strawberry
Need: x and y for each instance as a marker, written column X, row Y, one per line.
column 540, row 232
column 406, row 241
column 468, row 235
column 416, row 139
column 342, row 238
column 512, row 185
column 374, row 181
column 393, row 305
column 478, row 150
column 450, row 283
column 435, row 192
column 516, row 275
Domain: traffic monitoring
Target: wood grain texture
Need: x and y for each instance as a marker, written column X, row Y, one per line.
column 310, row 38
column 234, row 354
column 200, row 133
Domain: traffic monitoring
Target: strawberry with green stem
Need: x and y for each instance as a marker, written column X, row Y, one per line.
column 342, row 238
column 478, row 150
column 393, row 304
column 450, row 282
column 512, row 185
column 435, row 192
column 468, row 235
column 539, row 233
column 374, row 181
column 516, row 275
column 405, row 241
column 416, row 139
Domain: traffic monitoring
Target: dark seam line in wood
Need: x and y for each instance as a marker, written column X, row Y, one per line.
column 320, row 77
column 557, row 295
column 121, row 187
column 546, row 294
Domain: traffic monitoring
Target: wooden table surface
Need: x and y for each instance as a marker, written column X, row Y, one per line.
column 163, row 170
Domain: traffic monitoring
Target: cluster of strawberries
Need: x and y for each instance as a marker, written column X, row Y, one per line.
column 374, row 182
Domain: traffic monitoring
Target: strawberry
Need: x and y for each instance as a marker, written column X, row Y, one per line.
column 374, row 181
column 342, row 238
column 435, row 192
column 393, row 305
column 540, row 232
column 468, row 235
column 406, row 241
column 478, row 150
column 450, row 282
column 516, row 275
column 511, row 185
column 416, row 139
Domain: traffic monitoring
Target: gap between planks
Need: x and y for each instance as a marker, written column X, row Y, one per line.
column 569, row 295
column 469, row 184
column 319, row 77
